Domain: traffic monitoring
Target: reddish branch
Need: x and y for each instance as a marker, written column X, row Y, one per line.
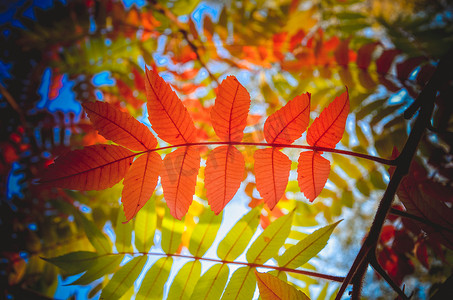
column 425, row 101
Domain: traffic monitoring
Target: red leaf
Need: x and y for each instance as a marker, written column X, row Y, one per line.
column 179, row 179
column 327, row 129
column 271, row 172
column 341, row 53
column 289, row 122
column 119, row 126
column 405, row 68
column 313, row 171
column 92, row 168
column 384, row 61
column 421, row 252
column 168, row 116
column 229, row 114
column 140, row 182
column 364, row 55
column 223, row 176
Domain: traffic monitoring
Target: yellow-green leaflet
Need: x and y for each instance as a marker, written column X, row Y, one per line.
column 172, row 229
column 272, row 288
column 145, row 226
column 204, row 233
column 123, row 233
column 94, row 235
column 74, row 262
column 185, row 281
column 103, row 265
column 212, row 283
column 124, row 278
column 239, row 236
column 241, row 286
column 152, row 286
column 304, row 250
column 270, row 241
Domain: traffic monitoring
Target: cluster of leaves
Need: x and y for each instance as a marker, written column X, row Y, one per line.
column 102, row 166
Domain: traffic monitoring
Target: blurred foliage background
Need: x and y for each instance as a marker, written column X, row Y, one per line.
column 57, row 54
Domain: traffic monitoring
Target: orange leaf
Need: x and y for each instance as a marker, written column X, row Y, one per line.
column 140, row 182
column 289, row 122
column 313, row 171
column 119, row 126
column 167, row 114
column 223, row 176
column 229, row 114
column 328, row 128
column 92, row 168
column 179, row 179
column 271, row 172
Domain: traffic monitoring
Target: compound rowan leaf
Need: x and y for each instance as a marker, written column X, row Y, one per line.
column 140, row 182
column 313, row 171
column 223, row 175
column 229, row 114
column 94, row 167
column 328, row 128
column 289, row 122
column 271, row 174
column 272, row 288
column 179, row 178
column 120, row 127
column 168, row 116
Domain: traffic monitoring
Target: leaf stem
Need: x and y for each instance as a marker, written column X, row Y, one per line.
column 390, row 162
column 303, row 272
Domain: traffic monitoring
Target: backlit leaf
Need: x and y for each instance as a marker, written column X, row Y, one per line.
column 237, row 239
column 145, row 226
column 272, row 288
column 242, row 285
column 327, row 129
column 105, row 264
column 229, row 114
column 179, row 178
column 94, row 235
column 152, row 286
column 212, row 283
column 94, row 167
column 313, row 171
column 120, row 127
column 223, row 176
column 270, row 240
column 185, row 281
column 171, row 233
column 307, row 248
column 140, row 182
column 204, row 233
column 288, row 123
column 166, row 113
column 74, row 262
column 123, row 233
column 124, row 278
column 271, row 174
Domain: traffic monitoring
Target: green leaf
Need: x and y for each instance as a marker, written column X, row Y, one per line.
column 152, row 286
column 94, row 235
column 185, row 281
column 212, row 283
column 377, row 180
column 145, row 226
column 123, row 233
column 242, row 285
column 270, row 240
column 74, row 262
column 272, row 288
column 172, row 229
column 124, row 278
column 307, row 248
column 104, row 265
column 184, row 7
column 204, row 233
column 237, row 239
